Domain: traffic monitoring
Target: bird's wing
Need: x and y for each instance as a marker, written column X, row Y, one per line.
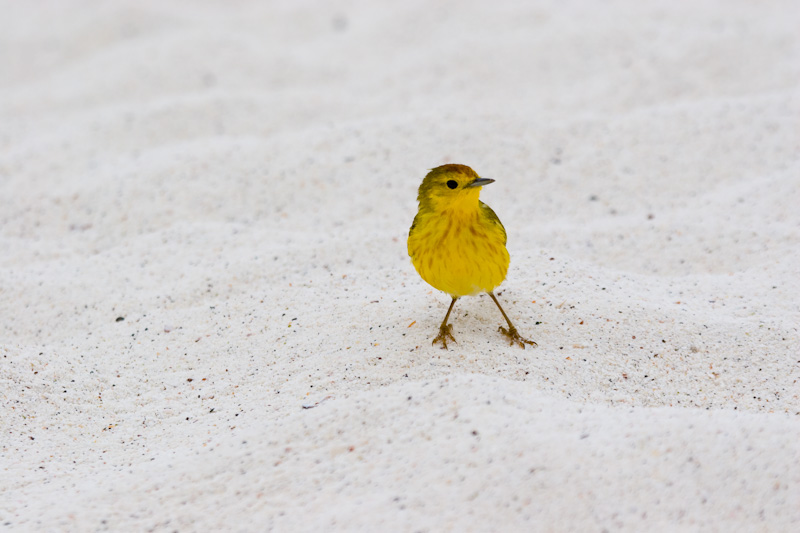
column 492, row 216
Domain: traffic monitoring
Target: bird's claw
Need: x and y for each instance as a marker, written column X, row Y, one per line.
column 445, row 332
column 514, row 336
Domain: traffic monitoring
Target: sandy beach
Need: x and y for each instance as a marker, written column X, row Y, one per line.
column 209, row 320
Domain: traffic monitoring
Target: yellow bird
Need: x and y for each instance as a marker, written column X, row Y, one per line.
column 457, row 243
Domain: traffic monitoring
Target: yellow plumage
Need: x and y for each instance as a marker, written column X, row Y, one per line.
column 457, row 243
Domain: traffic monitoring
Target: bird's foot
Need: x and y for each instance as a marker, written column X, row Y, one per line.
column 445, row 332
column 514, row 336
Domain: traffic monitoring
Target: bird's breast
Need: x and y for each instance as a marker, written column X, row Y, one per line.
column 460, row 254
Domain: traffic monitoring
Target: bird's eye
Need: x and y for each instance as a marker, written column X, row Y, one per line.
column 452, row 184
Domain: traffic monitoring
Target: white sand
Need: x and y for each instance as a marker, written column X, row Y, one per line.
column 237, row 183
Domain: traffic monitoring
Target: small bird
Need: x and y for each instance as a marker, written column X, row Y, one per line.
column 457, row 243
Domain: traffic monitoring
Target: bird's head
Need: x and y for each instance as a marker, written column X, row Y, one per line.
column 451, row 186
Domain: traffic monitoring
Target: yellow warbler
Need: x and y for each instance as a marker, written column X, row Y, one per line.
column 457, row 243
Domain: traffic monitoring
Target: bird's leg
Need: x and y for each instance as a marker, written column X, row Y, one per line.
column 445, row 329
column 512, row 333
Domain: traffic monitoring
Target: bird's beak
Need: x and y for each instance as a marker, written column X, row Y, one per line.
column 480, row 182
